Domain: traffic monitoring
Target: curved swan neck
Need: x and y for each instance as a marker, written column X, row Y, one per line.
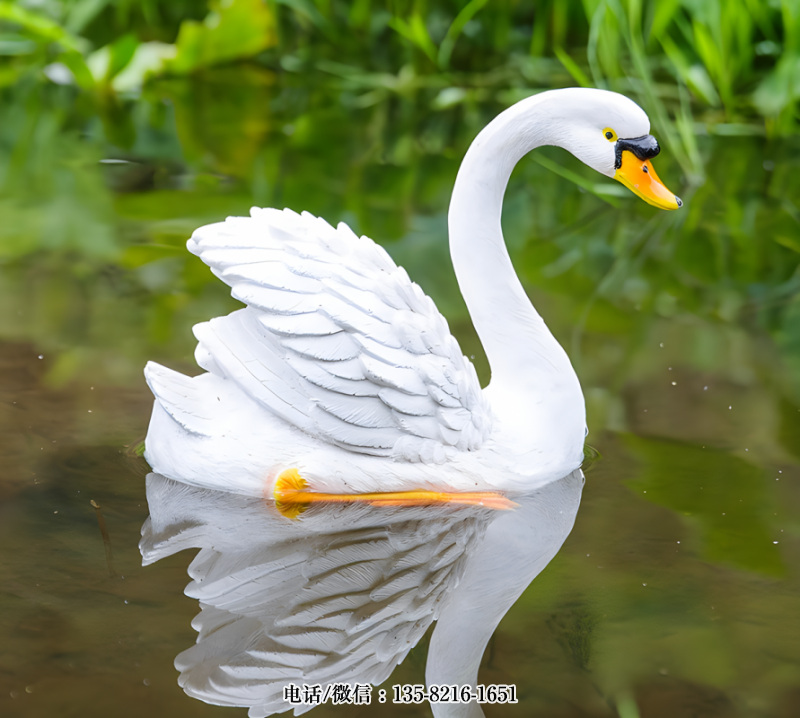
column 534, row 390
column 513, row 334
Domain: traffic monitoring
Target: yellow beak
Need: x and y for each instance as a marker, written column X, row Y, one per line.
column 641, row 179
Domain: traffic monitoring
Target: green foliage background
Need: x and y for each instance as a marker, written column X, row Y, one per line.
column 125, row 125
column 359, row 111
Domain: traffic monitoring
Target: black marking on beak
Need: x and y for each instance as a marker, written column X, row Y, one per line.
column 644, row 148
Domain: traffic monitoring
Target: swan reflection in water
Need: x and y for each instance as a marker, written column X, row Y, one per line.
column 343, row 594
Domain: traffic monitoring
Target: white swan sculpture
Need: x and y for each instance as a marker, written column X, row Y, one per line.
column 340, row 382
column 340, row 376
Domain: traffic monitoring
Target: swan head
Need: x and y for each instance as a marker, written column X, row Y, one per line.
column 611, row 134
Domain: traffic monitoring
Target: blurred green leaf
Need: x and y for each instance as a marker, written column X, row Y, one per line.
column 79, row 69
column 606, row 192
column 306, row 9
column 107, row 62
column 454, row 31
column 40, row 27
column 82, row 12
column 234, row 29
column 46, row 31
column 694, row 75
column 780, row 88
column 572, row 67
column 15, row 44
column 416, row 33
column 149, row 59
column 122, row 52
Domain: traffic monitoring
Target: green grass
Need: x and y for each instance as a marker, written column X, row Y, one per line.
column 716, row 66
column 360, row 111
column 719, row 61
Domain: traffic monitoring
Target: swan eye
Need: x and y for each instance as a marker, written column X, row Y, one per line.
column 611, row 136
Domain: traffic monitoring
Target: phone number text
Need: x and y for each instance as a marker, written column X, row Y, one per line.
column 417, row 693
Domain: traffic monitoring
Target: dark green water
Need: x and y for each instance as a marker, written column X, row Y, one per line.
column 677, row 592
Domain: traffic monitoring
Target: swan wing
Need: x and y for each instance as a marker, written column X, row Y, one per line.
column 336, row 339
column 306, row 602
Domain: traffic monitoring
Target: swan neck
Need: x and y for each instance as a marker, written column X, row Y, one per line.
column 513, row 334
column 534, row 391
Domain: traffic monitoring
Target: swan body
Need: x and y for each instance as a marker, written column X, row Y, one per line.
column 342, row 368
column 339, row 366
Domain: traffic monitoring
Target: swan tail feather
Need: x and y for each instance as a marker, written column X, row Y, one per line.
column 180, row 396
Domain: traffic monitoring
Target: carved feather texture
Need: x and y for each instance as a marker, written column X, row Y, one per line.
column 337, row 340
